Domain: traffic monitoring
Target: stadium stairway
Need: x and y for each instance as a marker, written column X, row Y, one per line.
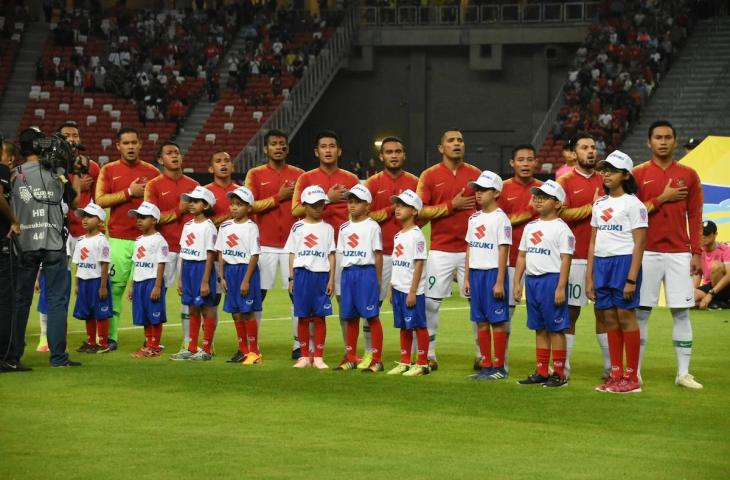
column 22, row 77
column 203, row 108
column 695, row 95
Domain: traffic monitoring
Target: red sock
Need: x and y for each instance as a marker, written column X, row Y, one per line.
column 242, row 336
column 353, row 330
column 543, row 358
column 422, row 339
column 376, row 337
column 91, row 332
column 102, row 329
column 156, row 336
column 320, row 334
column 616, row 352
column 500, row 348
column 303, row 333
column 252, row 331
column 559, row 362
column 208, row 332
column 632, row 343
column 148, row 335
column 194, row 332
column 406, row 341
column 485, row 347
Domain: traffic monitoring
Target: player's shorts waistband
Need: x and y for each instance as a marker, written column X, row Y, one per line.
column 359, row 267
column 544, row 275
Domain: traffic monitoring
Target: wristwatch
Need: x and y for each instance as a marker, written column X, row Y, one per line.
column 712, row 292
column 630, row 282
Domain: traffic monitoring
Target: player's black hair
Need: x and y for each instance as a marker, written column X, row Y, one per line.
column 391, row 139
column 68, row 124
column 573, row 143
column 274, row 133
column 662, row 123
column 25, row 141
column 124, row 130
column 453, row 129
column 522, row 146
column 165, row 144
column 210, row 160
column 326, row 134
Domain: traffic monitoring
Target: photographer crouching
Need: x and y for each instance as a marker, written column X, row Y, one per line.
column 41, row 198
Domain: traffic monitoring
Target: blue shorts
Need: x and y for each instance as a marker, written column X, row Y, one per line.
column 310, row 294
column 609, row 279
column 408, row 318
column 542, row 313
column 360, row 293
column 192, row 276
column 483, row 306
column 235, row 302
column 88, row 305
column 144, row 310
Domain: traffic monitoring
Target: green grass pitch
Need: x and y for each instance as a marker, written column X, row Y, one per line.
column 118, row 417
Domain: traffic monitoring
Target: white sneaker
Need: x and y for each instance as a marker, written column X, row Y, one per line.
column 201, row 356
column 302, row 362
column 319, row 363
column 688, row 381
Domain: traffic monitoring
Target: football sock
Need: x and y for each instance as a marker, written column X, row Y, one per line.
column 241, row 335
column 252, row 332
column 320, row 334
column 642, row 318
column 406, row 340
column 423, row 338
column 295, row 324
column 43, row 320
column 148, row 335
column 102, row 330
column 542, row 356
column 185, row 322
column 353, row 330
column 616, row 350
column 367, row 336
column 208, row 332
column 602, row 339
column 155, row 334
column 485, row 346
column 632, row 344
column 194, row 333
column 376, row 330
column 682, row 338
column 569, row 341
column 500, row 348
column 559, row 362
column 303, row 333
column 475, row 331
column 508, row 329
column 432, row 321
column 91, row 331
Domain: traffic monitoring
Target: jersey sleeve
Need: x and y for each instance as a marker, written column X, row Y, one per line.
column 504, row 234
column 419, row 247
column 297, row 209
column 291, row 242
column 219, row 240
column 382, row 214
column 567, row 241
column 429, row 212
column 163, row 251
column 377, row 238
column 523, row 240
column 570, row 211
column 254, row 241
column 695, row 203
column 105, row 198
column 259, row 204
column 594, row 220
column 75, row 255
column 104, row 250
column 330, row 238
column 340, row 241
column 185, row 231
column 211, row 235
column 638, row 216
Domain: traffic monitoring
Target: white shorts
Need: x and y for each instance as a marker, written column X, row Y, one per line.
column 385, row 277
column 338, row 273
column 674, row 270
column 511, row 280
column 440, row 269
column 269, row 260
column 172, row 269
column 577, row 283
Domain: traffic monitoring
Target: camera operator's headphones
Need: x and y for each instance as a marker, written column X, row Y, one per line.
column 29, row 141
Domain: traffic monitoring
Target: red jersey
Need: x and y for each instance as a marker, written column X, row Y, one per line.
column 382, row 186
column 437, row 186
column 273, row 217
column 674, row 227
column 516, row 201
column 580, row 192
column 165, row 192
column 112, row 191
column 221, row 210
column 334, row 213
column 74, row 222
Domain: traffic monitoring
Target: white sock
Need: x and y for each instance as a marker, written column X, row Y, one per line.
column 602, row 339
column 642, row 318
column 432, row 322
column 258, row 316
column 569, row 341
column 682, row 338
column 367, row 336
column 43, row 320
column 475, row 329
column 185, row 322
column 295, row 325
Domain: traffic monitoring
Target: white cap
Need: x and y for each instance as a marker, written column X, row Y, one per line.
column 552, row 188
column 243, row 193
column 92, row 209
column 410, row 198
column 200, row 193
column 313, row 194
column 487, row 180
column 620, row 160
column 360, row 191
column 146, row 209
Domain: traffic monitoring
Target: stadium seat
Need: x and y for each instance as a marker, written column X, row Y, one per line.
column 35, row 88
column 106, row 143
column 63, row 107
column 45, row 95
column 153, row 137
column 59, row 84
column 102, row 159
column 258, row 115
column 88, row 102
column 229, row 109
column 90, row 120
column 115, row 114
column 228, row 127
column 40, row 113
column 188, row 170
column 546, row 168
column 34, row 95
column 116, row 126
column 107, row 107
column 210, row 138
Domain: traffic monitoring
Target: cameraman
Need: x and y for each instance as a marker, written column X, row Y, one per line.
column 41, row 199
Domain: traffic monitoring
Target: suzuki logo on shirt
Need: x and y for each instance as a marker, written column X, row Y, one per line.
column 140, row 252
column 352, row 240
column 481, row 232
column 398, row 250
column 84, row 253
column 190, row 239
column 310, row 240
column 606, row 214
column 232, row 240
column 536, row 237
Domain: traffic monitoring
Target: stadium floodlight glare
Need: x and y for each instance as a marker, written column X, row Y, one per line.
column 378, row 143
